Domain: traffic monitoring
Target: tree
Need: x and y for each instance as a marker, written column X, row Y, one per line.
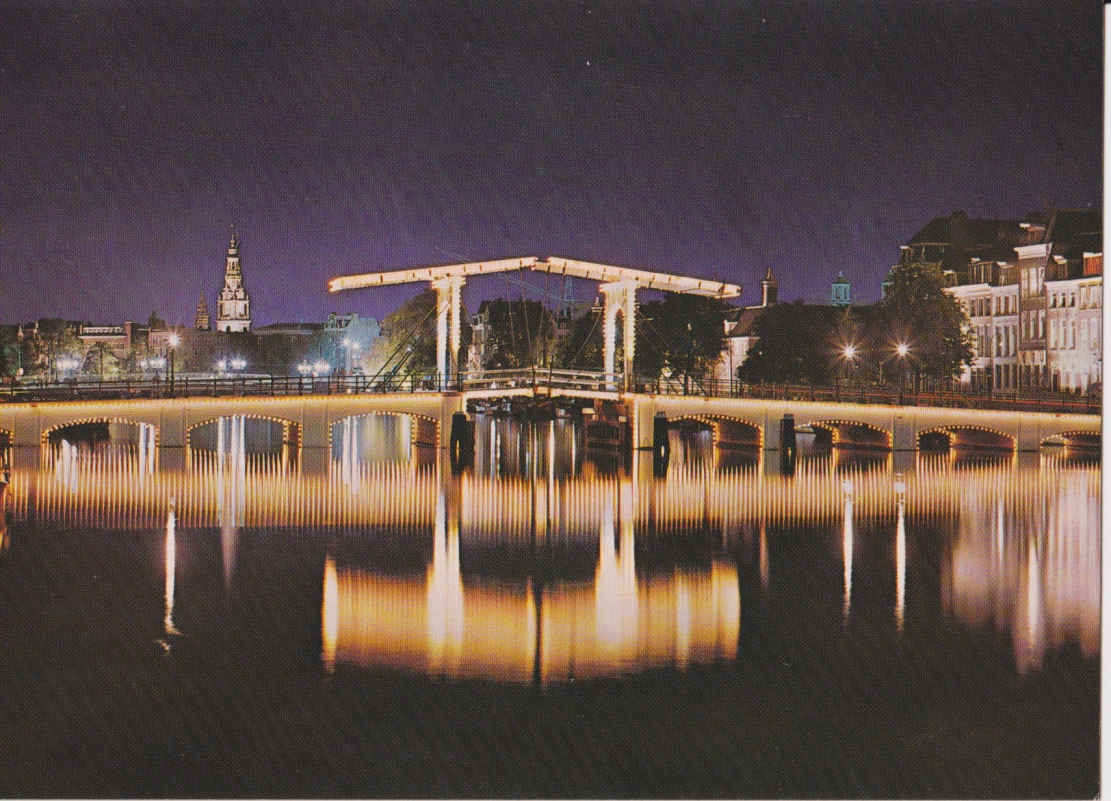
column 681, row 336
column 9, row 351
column 408, row 338
column 917, row 311
column 582, row 347
column 51, row 339
column 795, row 343
column 518, row 333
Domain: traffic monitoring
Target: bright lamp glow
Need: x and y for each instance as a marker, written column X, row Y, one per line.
column 902, row 349
column 174, row 340
column 849, row 351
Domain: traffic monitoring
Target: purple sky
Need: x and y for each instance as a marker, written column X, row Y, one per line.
column 707, row 139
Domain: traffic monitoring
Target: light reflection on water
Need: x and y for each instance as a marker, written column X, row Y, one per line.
column 1019, row 547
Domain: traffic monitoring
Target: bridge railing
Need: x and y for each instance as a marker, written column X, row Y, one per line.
column 537, row 377
column 1031, row 400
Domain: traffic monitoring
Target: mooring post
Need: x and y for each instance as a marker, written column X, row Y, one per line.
column 461, row 444
column 787, row 445
column 661, row 447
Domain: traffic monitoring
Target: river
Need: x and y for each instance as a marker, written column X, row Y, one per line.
column 554, row 621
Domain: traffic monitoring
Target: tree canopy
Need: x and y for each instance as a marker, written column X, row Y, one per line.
column 917, row 311
column 796, row 343
column 518, row 333
column 679, row 335
column 582, row 347
column 408, row 338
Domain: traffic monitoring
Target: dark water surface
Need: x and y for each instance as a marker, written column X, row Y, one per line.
column 552, row 627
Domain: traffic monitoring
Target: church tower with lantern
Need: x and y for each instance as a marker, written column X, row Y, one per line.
column 233, row 306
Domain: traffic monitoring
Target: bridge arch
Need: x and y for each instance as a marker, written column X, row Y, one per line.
column 424, row 430
column 1081, row 440
column 728, row 431
column 853, row 433
column 50, row 432
column 965, row 435
column 146, row 437
column 291, row 440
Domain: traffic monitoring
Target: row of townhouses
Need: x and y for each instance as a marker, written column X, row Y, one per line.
column 1033, row 292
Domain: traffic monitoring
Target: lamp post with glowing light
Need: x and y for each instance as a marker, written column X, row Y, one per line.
column 902, row 351
column 848, row 358
column 173, row 341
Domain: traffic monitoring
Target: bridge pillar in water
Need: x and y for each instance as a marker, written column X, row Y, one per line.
column 171, row 440
column 787, row 444
column 461, row 444
column 619, row 297
column 316, row 444
column 904, row 433
column 1027, row 437
column 661, row 446
column 449, row 302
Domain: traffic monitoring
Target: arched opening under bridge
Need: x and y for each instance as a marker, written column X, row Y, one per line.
column 1085, row 441
column 254, row 441
column 715, row 440
column 382, row 438
column 848, row 434
column 965, row 438
column 104, row 440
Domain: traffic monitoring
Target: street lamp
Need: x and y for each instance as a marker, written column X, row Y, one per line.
column 351, row 349
column 848, row 356
column 902, row 351
column 173, row 341
column 66, row 363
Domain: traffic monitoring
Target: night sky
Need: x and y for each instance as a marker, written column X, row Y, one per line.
column 707, row 139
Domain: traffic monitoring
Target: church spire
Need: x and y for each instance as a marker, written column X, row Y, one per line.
column 770, row 288
column 233, row 306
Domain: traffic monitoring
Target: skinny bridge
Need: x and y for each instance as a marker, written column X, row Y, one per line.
column 618, row 285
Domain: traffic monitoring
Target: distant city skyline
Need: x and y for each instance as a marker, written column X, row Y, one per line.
column 714, row 140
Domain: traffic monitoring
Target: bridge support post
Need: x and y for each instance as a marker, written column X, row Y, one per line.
column 461, row 445
column 661, row 446
column 787, row 445
column 618, row 297
column 449, row 302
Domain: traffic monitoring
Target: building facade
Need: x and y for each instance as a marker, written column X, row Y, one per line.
column 1033, row 293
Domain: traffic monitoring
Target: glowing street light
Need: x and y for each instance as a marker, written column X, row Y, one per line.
column 304, row 368
column 321, row 367
column 173, row 340
column 849, row 352
column 902, row 349
column 238, row 363
column 67, row 363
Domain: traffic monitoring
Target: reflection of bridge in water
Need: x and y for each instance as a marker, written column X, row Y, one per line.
column 116, row 491
column 1021, row 553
